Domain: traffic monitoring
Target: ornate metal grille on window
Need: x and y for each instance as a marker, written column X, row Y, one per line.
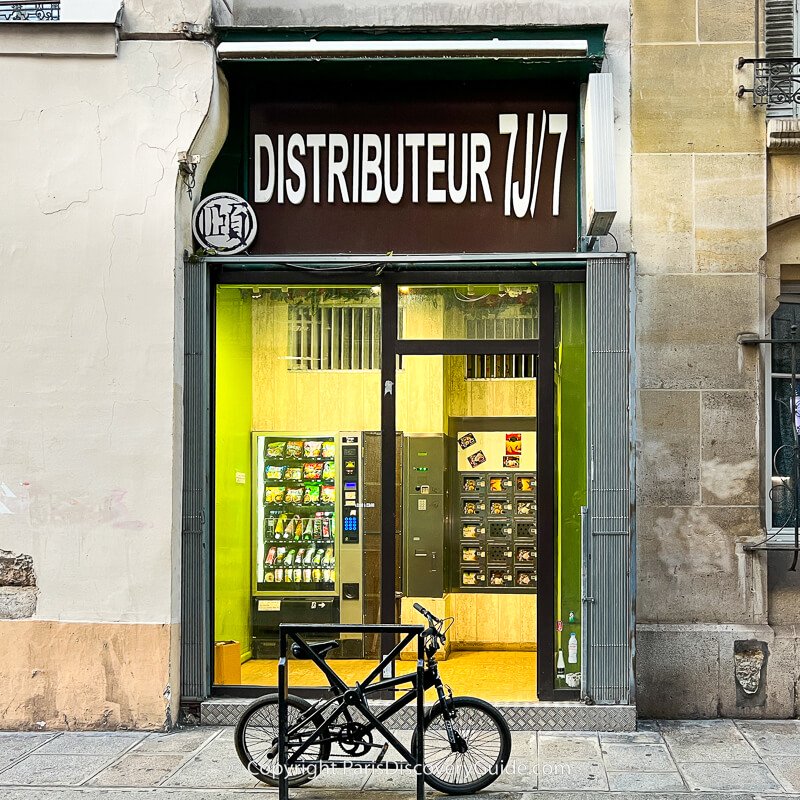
column 30, row 12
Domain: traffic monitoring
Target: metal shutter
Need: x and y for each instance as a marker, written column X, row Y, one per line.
column 195, row 667
column 608, row 520
column 779, row 35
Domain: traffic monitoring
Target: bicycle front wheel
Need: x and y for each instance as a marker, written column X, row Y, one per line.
column 481, row 752
column 257, row 740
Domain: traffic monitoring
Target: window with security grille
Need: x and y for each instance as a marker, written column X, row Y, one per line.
column 522, row 325
column 334, row 337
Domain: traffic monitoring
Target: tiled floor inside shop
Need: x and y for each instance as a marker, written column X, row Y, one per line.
column 499, row 676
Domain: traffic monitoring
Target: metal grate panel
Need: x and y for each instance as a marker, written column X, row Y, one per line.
column 608, row 538
column 195, row 622
column 331, row 337
column 779, row 39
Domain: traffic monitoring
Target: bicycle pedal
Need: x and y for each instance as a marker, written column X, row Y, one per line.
column 382, row 753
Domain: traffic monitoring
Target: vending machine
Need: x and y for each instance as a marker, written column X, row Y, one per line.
column 306, row 525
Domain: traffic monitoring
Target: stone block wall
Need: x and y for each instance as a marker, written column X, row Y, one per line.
column 699, row 217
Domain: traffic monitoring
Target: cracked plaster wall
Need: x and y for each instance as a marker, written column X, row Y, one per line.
column 91, row 363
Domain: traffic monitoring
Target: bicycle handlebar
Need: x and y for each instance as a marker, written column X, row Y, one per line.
column 425, row 613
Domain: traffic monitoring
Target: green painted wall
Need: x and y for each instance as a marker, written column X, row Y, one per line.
column 234, row 404
column 570, row 458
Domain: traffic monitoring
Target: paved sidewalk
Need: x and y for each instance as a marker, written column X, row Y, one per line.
column 739, row 760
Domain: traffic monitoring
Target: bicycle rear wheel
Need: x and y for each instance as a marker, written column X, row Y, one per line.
column 482, row 752
column 257, row 740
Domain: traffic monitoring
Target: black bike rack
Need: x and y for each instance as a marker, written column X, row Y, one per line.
column 297, row 632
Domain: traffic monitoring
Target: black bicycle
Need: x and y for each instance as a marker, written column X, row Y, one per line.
column 467, row 742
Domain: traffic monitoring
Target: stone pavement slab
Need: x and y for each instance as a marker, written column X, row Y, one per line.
column 53, row 770
column 772, row 737
column 637, row 757
column 138, row 770
column 645, row 782
column 787, row 770
column 706, row 741
column 562, row 748
column 181, row 741
column 728, row 777
column 91, row 744
column 15, row 745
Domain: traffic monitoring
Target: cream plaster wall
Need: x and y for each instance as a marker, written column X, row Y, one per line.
column 95, row 221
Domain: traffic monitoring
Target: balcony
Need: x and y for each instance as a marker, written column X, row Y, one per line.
column 776, row 82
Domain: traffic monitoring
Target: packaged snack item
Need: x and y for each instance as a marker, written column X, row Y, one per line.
column 274, row 494
column 309, row 557
column 327, row 575
column 469, row 553
column 312, row 449
column 269, row 527
column 312, row 471
column 524, row 579
column 307, row 574
column 329, row 471
column 525, row 508
column 308, row 532
column 318, row 553
column 300, row 556
column 325, row 527
column 471, row 484
column 316, row 574
column 288, row 559
column 328, row 494
column 280, row 526
column 472, row 507
column 496, row 578
column 469, row 531
column 288, row 530
column 469, row 578
column 297, row 575
column 293, row 474
column 294, row 449
column 526, row 484
column 294, row 495
column 269, row 577
column 311, row 495
column 328, row 449
column 328, row 558
column 275, row 472
column 271, row 553
column 279, row 556
column 279, row 575
column 276, row 449
column 498, row 507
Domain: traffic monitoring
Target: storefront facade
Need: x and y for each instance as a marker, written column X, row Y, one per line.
column 398, row 366
column 496, row 394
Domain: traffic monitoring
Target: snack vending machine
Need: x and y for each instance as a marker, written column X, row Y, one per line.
column 299, row 504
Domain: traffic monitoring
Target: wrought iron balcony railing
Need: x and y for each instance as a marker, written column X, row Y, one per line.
column 16, row 11
column 776, row 81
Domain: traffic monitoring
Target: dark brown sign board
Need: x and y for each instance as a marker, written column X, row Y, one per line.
column 492, row 170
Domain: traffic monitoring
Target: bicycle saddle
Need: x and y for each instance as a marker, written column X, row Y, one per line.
column 320, row 648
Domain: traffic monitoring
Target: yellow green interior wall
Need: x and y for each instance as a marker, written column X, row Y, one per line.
column 570, row 458
column 233, row 420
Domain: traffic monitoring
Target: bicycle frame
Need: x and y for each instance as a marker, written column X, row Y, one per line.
column 346, row 697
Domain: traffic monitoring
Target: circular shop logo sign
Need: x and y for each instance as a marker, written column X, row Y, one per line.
column 224, row 222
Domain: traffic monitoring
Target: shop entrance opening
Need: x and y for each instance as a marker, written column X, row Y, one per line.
column 301, row 393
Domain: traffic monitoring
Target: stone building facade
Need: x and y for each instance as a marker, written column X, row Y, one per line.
column 96, row 219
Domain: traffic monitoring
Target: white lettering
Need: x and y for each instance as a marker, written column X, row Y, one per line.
column 314, row 142
column 435, row 167
column 393, row 195
column 337, row 167
column 522, row 200
column 507, row 125
column 279, row 182
column 558, row 124
column 479, row 168
column 535, row 192
column 296, row 142
column 460, row 194
column 415, row 141
column 356, row 170
column 371, row 168
column 263, row 194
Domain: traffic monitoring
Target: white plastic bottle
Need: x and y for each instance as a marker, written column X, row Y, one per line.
column 560, row 668
column 572, row 649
